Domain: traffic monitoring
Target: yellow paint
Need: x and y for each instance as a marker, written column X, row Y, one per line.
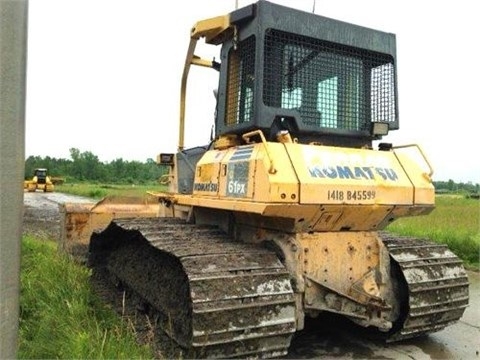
column 280, row 186
column 319, row 188
column 330, row 175
column 412, row 158
column 292, row 199
column 226, row 141
column 207, row 173
column 210, row 28
column 340, row 260
column 78, row 221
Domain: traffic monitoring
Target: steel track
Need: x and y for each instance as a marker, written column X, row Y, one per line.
column 219, row 297
column 437, row 285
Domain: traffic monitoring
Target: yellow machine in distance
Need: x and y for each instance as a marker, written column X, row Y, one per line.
column 40, row 181
column 282, row 215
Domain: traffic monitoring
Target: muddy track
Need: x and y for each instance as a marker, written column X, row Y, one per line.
column 214, row 296
column 437, row 284
column 219, row 298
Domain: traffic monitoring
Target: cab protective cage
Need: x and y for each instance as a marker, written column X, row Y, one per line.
column 321, row 79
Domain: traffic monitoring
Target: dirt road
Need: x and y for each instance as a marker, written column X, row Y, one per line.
column 325, row 337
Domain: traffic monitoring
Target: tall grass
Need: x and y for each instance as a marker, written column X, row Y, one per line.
column 61, row 317
column 455, row 222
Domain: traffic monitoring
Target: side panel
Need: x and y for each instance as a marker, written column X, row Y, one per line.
column 245, row 173
column 418, row 169
column 331, row 175
column 186, row 161
column 297, row 187
column 207, row 173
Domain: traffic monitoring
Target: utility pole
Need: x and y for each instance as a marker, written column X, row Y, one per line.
column 13, row 60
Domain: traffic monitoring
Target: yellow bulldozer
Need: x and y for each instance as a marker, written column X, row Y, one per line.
column 40, row 181
column 282, row 215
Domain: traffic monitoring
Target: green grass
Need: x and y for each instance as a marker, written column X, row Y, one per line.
column 61, row 317
column 455, row 222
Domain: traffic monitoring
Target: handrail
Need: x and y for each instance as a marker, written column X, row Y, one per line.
column 247, row 136
column 421, row 152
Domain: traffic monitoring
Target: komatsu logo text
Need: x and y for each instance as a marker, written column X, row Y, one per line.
column 353, row 172
column 211, row 187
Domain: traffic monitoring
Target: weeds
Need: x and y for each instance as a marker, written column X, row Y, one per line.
column 455, row 222
column 60, row 316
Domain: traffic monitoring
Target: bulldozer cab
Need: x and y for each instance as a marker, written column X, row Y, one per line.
column 291, row 76
column 41, row 175
column 322, row 80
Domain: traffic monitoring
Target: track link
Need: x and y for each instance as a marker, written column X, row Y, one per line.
column 438, row 287
column 215, row 296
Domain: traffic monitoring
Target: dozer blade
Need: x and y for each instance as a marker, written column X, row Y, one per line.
column 79, row 220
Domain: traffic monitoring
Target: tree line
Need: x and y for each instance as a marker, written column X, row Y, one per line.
column 86, row 166
column 451, row 186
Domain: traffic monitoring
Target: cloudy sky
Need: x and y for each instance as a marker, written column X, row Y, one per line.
column 104, row 76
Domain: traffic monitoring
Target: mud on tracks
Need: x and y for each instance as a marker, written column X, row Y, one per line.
column 205, row 301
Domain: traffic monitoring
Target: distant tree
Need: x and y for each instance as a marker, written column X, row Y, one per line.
column 115, row 170
column 31, row 164
column 451, row 185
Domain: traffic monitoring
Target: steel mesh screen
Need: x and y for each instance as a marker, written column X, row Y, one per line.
column 383, row 93
column 241, row 75
column 330, row 85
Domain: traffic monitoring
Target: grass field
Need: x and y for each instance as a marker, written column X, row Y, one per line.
column 60, row 316
column 455, row 222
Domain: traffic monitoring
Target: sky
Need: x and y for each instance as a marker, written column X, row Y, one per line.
column 104, row 76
